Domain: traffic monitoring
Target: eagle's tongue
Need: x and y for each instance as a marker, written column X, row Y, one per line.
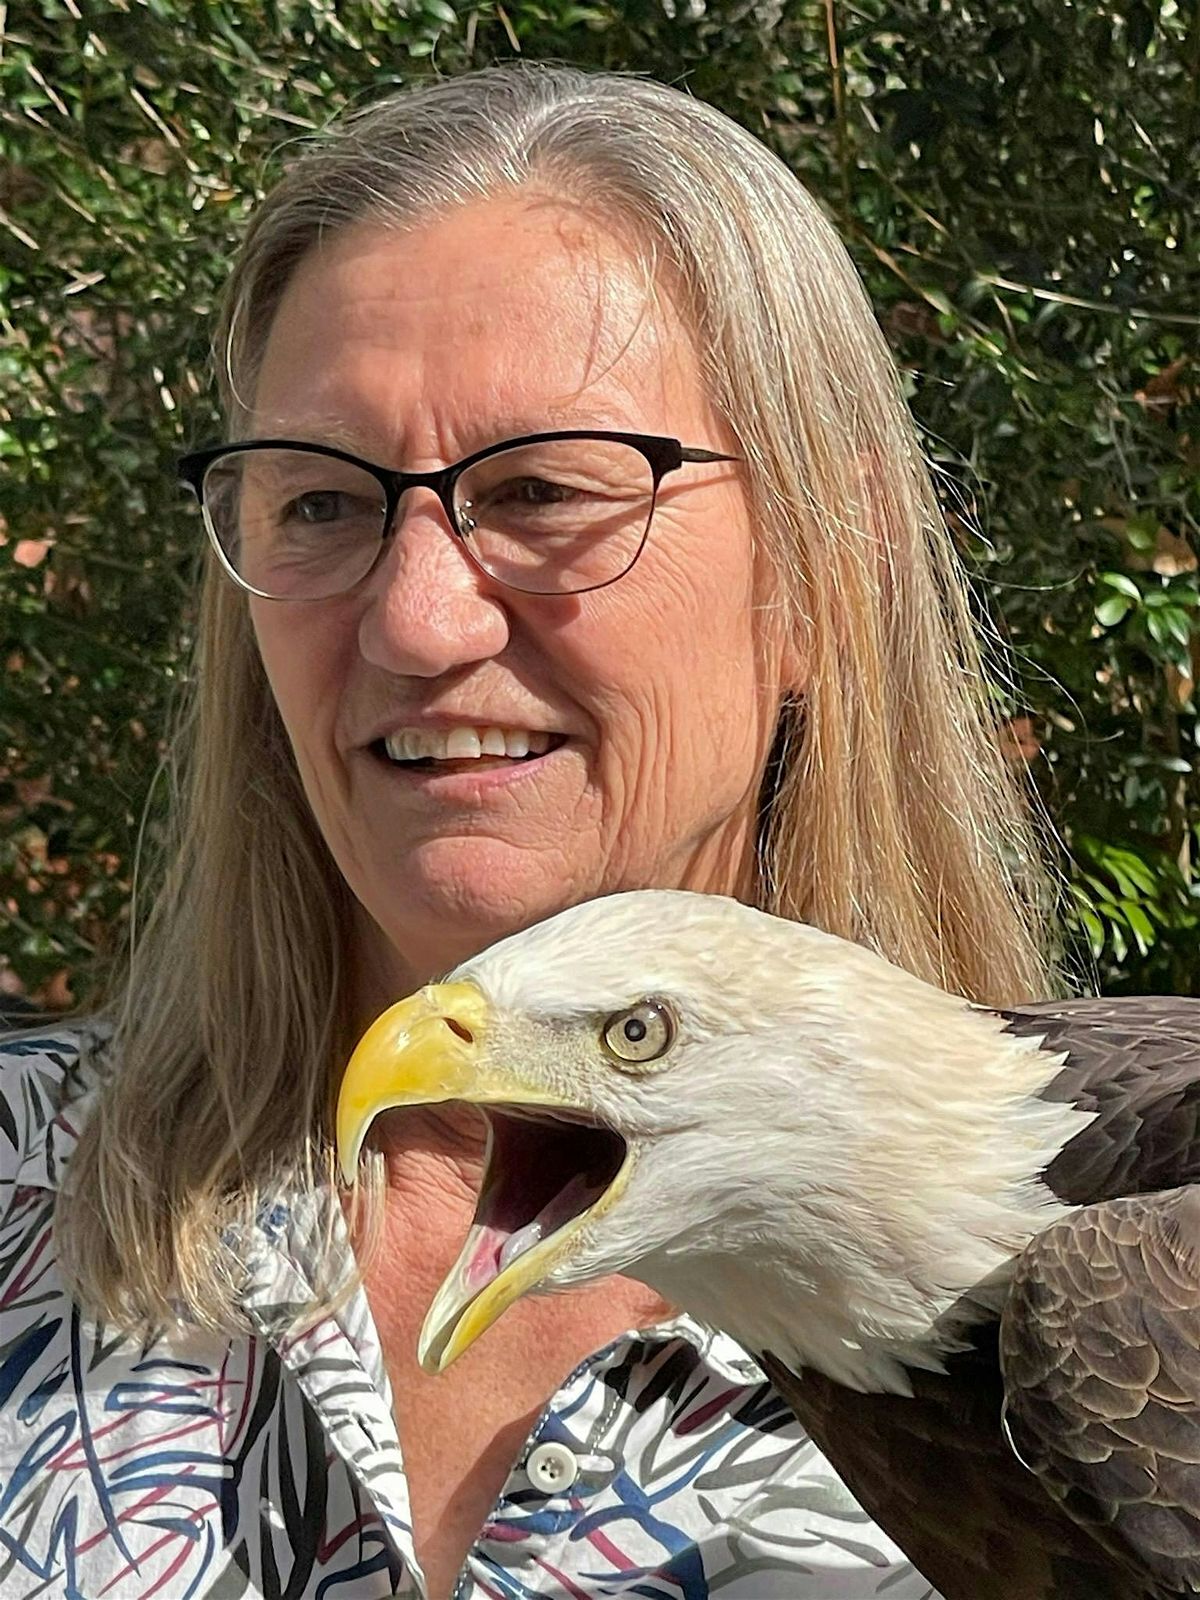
column 517, row 1243
column 496, row 1248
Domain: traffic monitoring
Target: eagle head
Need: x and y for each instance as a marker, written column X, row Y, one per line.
column 775, row 1129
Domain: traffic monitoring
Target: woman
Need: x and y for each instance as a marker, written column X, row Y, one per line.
column 431, row 712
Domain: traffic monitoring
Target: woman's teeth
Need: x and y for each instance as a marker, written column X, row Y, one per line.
column 464, row 744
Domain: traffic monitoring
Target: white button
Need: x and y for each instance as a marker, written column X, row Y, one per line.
column 551, row 1468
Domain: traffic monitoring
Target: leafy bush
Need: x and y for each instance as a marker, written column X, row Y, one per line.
column 1016, row 182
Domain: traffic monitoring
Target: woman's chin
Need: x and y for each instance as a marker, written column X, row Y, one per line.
column 433, row 918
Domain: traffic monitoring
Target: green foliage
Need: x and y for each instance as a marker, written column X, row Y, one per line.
column 1016, row 181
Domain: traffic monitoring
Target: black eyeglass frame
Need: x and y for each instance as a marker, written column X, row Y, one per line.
column 663, row 455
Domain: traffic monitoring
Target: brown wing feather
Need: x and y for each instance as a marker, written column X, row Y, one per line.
column 1136, row 1064
column 937, row 1472
column 1099, row 1349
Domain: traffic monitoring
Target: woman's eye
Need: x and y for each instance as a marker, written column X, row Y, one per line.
column 642, row 1033
column 317, row 505
column 532, row 492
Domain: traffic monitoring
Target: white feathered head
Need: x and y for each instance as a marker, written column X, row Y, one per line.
column 775, row 1129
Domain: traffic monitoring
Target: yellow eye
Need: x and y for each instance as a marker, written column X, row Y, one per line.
column 642, row 1033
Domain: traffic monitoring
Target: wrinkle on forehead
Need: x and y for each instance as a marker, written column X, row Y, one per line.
column 621, row 330
column 627, row 304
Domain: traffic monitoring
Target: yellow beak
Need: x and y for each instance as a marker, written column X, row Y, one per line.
column 420, row 1051
column 433, row 1047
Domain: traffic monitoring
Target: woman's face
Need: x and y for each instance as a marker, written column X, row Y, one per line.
column 657, row 696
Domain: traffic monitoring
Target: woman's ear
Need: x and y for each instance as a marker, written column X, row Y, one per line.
column 793, row 666
column 783, row 631
column 792, row 652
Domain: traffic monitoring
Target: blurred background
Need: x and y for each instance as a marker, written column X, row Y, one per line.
column 1017, row 182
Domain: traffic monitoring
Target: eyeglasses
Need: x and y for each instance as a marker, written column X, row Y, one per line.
column 547, row 513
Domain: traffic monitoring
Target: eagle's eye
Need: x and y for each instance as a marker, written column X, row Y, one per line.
column 642, row 1033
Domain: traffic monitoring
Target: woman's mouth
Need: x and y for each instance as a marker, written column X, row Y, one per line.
column 464, row 749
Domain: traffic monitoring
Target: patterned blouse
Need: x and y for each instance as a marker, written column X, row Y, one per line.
column 268, row 1465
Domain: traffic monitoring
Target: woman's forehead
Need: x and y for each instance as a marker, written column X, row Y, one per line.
column 511, row 315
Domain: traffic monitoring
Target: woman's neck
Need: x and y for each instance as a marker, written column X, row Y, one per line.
column 444, row 1144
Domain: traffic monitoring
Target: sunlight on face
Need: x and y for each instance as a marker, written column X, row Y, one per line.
column 656, row 698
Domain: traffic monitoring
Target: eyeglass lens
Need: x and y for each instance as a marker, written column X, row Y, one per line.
column 554, row 517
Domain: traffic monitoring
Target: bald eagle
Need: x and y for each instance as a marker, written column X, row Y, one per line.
column 960, row 1241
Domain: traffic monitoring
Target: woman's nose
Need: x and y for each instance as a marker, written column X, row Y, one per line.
column 428, row 608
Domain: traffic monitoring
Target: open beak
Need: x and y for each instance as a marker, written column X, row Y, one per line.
column 549, row 1170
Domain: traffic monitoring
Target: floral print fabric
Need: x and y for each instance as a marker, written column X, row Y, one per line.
column 268, row 1467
